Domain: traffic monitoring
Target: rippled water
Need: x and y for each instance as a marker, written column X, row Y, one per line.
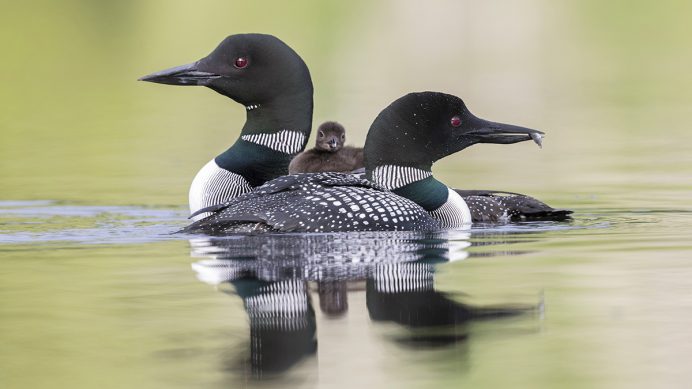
column 90, row 292
column 96, row 291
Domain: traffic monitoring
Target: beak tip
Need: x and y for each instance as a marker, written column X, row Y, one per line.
column 147, row 78
column 180, row 75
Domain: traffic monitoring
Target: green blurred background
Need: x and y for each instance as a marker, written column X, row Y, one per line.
column 608, row 81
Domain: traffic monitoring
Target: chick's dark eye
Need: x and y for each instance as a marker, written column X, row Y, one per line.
column 343, row 137
column 321, row 134
column 240, row 62
column 455, row 121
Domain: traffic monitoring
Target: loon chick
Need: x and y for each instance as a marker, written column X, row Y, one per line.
column 329, row 153
column 402, row 144
column 273, row 84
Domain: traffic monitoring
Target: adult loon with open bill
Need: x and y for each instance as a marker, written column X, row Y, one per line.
column 400, row 193
column 273, row 83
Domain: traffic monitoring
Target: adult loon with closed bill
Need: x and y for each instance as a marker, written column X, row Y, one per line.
column 273, row 83
column 401, row 193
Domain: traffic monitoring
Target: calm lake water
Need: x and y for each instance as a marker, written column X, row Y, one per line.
column 95, row 291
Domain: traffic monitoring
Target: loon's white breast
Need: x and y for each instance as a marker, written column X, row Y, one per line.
column 214, row 185
column 454, row 213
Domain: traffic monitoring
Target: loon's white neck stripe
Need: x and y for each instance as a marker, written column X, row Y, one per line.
column 394, row 177
column 284, row 141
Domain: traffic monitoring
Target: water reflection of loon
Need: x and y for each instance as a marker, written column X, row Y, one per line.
column 274, row 275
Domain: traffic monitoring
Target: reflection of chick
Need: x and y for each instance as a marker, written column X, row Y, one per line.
column 329, row 153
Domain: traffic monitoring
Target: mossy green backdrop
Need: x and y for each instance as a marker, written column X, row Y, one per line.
column 608, row 81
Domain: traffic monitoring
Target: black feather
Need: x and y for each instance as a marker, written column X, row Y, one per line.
column 489, row 206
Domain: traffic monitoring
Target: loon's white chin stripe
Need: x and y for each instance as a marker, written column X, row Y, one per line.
column 284, row 141
column 394, row 177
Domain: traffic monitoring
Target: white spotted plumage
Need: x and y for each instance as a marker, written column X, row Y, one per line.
column 319, row 202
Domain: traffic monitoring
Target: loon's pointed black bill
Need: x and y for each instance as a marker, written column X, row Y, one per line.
column 181, row 75
column 500, row 133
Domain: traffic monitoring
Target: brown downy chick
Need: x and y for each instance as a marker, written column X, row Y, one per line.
column 329, row 153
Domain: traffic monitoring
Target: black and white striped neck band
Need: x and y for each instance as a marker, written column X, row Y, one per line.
column 393, row 177
column 284, row 141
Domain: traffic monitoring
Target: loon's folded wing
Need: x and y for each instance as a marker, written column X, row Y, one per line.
column 492, row 206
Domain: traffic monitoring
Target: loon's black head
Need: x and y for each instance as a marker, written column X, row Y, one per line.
column 330, row 137
column 252, row 69
column 418, row 129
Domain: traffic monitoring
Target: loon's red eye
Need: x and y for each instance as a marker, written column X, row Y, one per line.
column 455, row 121
column 240, row 62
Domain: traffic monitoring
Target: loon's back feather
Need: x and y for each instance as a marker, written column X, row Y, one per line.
column 316, row 202
column 294, row 182
column 492, row 206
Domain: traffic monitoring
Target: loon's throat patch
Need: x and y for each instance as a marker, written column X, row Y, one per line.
column 393, row 177
column 284, row 141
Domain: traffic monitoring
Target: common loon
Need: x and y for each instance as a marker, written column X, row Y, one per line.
column 486, row 206
column 401, row 193
column 329, row 153
column 273, row 84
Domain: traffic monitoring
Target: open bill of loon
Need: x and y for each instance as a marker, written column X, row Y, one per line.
column 400, row 192
column 273, row 84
